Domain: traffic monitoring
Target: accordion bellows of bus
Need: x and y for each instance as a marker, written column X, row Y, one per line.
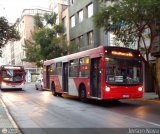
column 101, row 73
column 12, row 77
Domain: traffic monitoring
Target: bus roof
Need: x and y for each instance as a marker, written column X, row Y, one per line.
column 95, row 52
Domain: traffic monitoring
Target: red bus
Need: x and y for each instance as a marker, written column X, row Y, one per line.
column 12, row 77
column 101, row 73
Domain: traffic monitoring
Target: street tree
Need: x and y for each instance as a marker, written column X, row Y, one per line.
column 48, row 40
column 7, row 32
column 33, row 53
column 129, row 20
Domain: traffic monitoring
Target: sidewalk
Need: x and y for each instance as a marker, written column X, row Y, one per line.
column 151, row 97
column 7, row 124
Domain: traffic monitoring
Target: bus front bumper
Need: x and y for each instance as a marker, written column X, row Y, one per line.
column 123, row 95
column 5, row 86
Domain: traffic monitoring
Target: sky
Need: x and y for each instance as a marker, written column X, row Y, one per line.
column 12, row 9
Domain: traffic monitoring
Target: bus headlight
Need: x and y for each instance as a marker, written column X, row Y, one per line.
column 140, row 89
column 107, row 89
column 3, row 84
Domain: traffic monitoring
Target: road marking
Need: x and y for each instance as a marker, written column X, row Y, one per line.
column 145, row 121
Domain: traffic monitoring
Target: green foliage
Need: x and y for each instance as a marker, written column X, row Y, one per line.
column 32, row 52
column 7, row 32
column 50, row 18
column 38, row 21
column 129, row 20
column 48, row 40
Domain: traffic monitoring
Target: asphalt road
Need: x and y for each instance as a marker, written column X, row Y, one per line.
column 32, row 109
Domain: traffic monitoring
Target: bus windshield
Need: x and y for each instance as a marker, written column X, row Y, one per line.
column 123, row 71
column 12, row 75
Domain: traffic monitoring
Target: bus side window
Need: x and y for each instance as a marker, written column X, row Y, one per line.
column 53, row 69
column 73, row 68
column 59, row 68
column 84, row 67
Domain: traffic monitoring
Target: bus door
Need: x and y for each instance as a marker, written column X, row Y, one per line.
column 95, row 78
column 65, row 77
column 47, row 77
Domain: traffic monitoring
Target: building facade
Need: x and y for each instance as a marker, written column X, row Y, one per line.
column 6, row 54
column 156, row 53
column 13, row 52
column 25, row 26
column 77, row 17
column 82, row 28
column 61, row 8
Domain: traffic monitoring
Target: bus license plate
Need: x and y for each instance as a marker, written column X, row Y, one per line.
column 125, row 96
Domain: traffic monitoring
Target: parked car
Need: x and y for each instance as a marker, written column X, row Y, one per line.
column 39, row 84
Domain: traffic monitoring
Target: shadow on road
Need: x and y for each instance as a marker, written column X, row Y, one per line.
column 12, row 90
column 104, row 103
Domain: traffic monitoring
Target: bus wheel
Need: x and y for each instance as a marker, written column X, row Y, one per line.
column 82, row 93
column 59, row 94
column 36, row 87
column 41, row 88
column 53, row 89
column 116, row 101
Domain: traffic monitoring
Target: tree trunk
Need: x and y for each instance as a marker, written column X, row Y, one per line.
column 157, row 87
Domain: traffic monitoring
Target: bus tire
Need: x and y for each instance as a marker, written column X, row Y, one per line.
column 116, row 101
column 82, row 93
column 36, row 87
column 41, row 88
column 59, row 94
column 53, row 89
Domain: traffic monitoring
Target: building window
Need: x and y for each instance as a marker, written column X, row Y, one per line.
column 72, row 2
column 90, row 10
column 90, row 38
column 73, row 21
column 84, row 67
column 80, row 16
column 64, row 24
column 52, row 70
column 80, row 39
column 59, row 68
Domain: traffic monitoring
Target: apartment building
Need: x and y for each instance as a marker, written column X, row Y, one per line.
column 156, row 53
column 13, row 52
column 77, row 17
column 6, row 54
column 60, row 7
column 25, row 26
column 82, row 28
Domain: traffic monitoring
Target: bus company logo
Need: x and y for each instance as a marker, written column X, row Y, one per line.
column 4, row 131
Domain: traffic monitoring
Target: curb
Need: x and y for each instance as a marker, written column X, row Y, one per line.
column 15, row 128
column 151, row 100
column 147, row 100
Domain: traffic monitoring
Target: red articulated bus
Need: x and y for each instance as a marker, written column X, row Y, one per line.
column 12, row 77
column 101, row 73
